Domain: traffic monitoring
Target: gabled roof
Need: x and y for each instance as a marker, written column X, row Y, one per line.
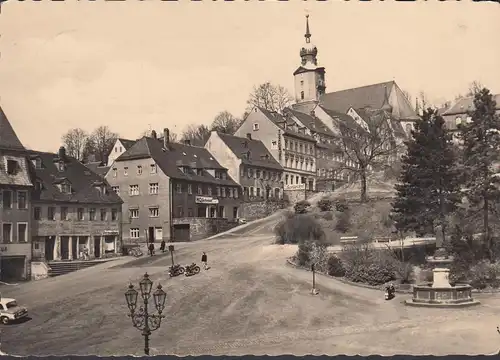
column 8, row 137
column 21, row 177
column 259, row 155
column 127, row 144
column 311, row 122
column 365, row 96
column 177, row 155
column 98, row 167
column 465, row 104
column 368, row 115
column 83, row 181
column 279, row 120
column 341, row 118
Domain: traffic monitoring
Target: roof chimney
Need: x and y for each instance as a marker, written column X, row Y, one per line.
column 187, row 142
column 166, row 138
column 153, row 134
column 249, row 136
column 62, row 153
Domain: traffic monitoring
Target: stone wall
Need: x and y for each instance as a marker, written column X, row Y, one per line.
column 254, row 210
column 200, row 228
column 294, row 196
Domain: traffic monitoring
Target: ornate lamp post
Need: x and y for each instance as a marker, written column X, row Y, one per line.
column 141, row 318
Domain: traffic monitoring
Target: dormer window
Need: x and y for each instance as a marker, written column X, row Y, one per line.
column 37, row 163
column 61, row 166
column 65, row 188
column 38, row 185
column 12, row 167
column 199, row 172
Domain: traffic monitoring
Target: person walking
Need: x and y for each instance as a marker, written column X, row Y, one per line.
column 204, row 261
column 151, row 249
column 162, row 246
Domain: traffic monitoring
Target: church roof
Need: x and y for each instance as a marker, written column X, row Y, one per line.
column 311, row 122
column 8, row 137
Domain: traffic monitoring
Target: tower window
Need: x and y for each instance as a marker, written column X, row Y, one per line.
column 301, row 95
column 301, row 82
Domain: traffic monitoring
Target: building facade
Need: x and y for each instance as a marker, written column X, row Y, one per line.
column 74, row 210
column 249, row 163
column 172, row 192
column 121, row 145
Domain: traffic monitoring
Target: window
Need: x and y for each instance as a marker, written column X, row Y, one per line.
column 64, row 213
column 37, row 213
column 223, row 189
column 258, row 192
column 134, row 233
column 257, row 174
column 235, row 193
column 79, row 214
column 65, row 188
column 92, row 213
column 133, row 190
column 7, row 232
column 154, row 212
column 252, row 193
column 114, row 214
column 22, row 232
column 220, row 211
column 190, row 189
column 218, row 190
column 51, row 213
column 209, row 191
column 255, row 127
column 125, row 171
column 179, row 188
column 133, row 213
column 7, row 199
column 153, row 188
column 115, row 172
column 180, row 211
column 200, row 190
column 190, row 212
column 104, row 214
column 116, row 189
column 116, row 148
column 11, row 167
column 229, row 192
column 152, row 168
column 22, row 197
column 139, row 170
column 302, row 95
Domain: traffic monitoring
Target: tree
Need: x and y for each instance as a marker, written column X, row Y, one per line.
column 159, row 134
column 429, row 186
column 424, row 100
column 226, row 123
column 196, row 134
column 74, row 141
column 481, row 144
column 366, row 147
column 475, row 87
column 270, row 97
column 99, row 143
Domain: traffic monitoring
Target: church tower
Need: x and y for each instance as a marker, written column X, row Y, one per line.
column 309, row 77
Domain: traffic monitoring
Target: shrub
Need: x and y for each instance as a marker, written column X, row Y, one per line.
column 335, row 267
column 341, row 206
column 301, row 207
column 325, row 204
column 311, row 252
column 327, row 216
column 343, row 222
column 298, row 228
column 365, row 265
column 484, row 274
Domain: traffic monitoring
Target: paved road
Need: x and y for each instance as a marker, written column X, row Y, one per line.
column 248, row 302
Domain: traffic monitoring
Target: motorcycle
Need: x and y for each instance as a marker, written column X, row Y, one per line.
column 176, row 270
column 192, row 269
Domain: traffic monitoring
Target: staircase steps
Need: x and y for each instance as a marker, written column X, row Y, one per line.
column 58, row 268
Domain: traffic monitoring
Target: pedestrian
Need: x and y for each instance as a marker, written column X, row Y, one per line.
column 151, row 249
column 204, row 261
column 162, row 246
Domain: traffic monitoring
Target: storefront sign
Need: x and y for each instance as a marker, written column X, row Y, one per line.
column 206, row 200
column 295, row 187
column 110, row 232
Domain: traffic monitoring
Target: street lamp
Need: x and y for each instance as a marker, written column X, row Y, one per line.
column 141, row 319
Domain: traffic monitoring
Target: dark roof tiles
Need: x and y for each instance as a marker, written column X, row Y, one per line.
column 8, row 137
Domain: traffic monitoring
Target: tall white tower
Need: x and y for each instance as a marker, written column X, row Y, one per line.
column 309, row 77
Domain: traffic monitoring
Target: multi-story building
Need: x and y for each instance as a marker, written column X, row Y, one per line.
column 288, row 143
column 249, row 163
column 121, row 145
column 15, row 206
column 73, row 209
column 98, row 167
column 172, row 191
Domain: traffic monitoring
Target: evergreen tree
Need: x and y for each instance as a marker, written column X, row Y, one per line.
column 480, row 137
column 428, row 186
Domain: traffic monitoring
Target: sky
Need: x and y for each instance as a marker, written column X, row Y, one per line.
column 138, row 65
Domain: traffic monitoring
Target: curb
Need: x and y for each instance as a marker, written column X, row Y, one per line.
column 380, row 288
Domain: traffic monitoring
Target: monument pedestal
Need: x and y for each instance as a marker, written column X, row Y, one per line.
column 441, row 278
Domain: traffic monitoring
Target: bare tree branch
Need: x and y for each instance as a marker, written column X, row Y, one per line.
column 226, row 123
column 74, row 142
column 196, row 134
column 270, row 97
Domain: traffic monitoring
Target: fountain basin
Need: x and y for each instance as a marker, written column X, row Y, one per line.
column 430, row 295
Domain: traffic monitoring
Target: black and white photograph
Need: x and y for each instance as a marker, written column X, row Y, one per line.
column 249, row 178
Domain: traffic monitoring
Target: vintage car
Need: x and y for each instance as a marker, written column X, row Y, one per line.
column 11, row 311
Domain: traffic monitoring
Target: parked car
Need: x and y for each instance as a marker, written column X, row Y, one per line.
column 242, row 221
column 11, row 311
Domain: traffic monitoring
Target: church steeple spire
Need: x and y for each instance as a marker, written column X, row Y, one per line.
column 308, row 33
